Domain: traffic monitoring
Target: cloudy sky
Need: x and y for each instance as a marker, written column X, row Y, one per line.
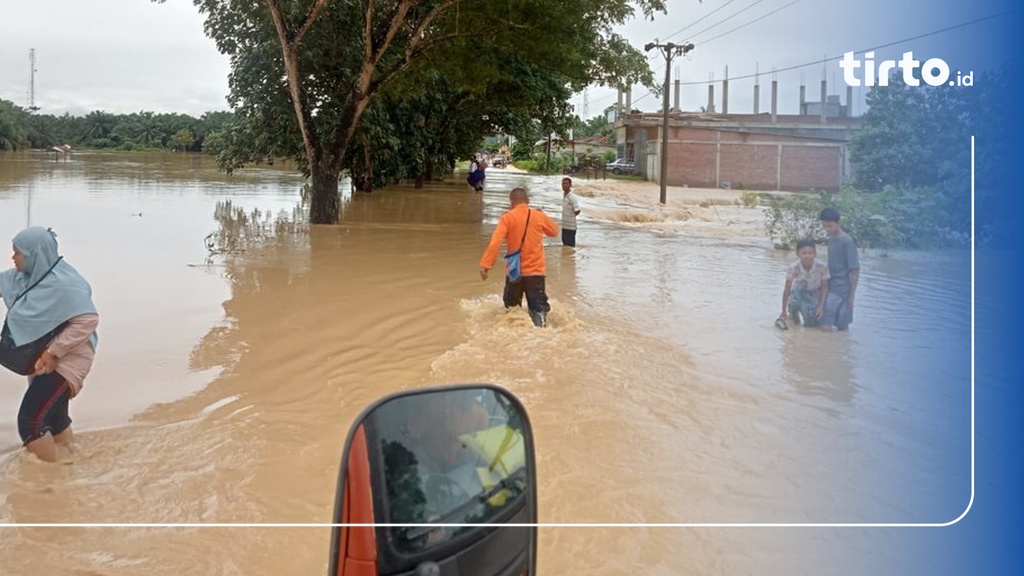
column 132, row 55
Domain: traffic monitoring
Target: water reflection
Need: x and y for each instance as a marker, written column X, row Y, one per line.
column 819, row 364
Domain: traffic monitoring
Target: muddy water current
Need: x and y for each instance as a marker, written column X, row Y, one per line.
column 237, row 345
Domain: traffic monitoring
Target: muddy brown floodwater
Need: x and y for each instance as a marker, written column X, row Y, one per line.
column 661, row 393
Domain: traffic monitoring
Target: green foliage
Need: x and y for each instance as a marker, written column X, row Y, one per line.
column 13, row 127
column 522, row 150
column 99, row 130
column 596, row 126
column 181, row 140
column 920, row 139
column 916, row 218
column 539, row 163
column 750, row 199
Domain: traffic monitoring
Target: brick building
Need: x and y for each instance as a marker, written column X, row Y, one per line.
column 752, row 151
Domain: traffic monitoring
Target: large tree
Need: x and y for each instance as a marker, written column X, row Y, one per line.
column 919, row 138
column 305, row 71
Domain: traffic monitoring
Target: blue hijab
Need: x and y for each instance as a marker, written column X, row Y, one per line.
column 61, row 292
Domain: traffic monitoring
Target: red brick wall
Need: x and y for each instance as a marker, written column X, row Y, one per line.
column 805, row 168
column 751, row 160
column 750, row 165
column 691, row 164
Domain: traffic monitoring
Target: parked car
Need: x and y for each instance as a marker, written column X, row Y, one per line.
column 621, row 166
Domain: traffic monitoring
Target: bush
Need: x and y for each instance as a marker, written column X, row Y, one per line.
column 521, row 150
column 917, row 218
column 750, row 199
column 539, row 164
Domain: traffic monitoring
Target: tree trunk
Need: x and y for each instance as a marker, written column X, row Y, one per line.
column 425, row 174
column 325, row 203
column 362, row 171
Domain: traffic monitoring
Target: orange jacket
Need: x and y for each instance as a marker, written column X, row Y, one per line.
column 510, row 231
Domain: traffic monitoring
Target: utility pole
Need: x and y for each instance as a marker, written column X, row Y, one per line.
column 668, row 50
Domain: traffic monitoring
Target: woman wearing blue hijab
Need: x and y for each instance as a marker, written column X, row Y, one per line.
column 43, row 293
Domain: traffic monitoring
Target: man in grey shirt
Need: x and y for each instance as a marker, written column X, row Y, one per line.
column 844, row 268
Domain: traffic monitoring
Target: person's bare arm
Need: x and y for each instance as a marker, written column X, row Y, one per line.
column 854, row 277
column 821, row 299
column 785, row 298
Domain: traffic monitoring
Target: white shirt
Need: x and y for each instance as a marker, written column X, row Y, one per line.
column 570, row 206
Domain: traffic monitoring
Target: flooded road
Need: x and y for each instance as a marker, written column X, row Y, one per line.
column 224, row 384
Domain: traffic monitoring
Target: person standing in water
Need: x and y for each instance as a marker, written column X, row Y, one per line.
column 570, row 210
column 522, row 229
column 844, row 269
column 45, row 295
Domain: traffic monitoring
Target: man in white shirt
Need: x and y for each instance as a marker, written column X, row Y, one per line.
column 570, row 210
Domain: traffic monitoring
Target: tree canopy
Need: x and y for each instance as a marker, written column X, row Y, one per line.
column 915, row 144
column 99, row 130
column 306, row 73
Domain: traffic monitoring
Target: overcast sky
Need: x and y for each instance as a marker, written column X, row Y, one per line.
column 131, row 55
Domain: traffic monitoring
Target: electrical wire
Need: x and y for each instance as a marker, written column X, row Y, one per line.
column 706, row 42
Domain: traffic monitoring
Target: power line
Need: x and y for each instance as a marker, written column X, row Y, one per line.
column 705, row 42
column 727, row 18
column 826, row 59
column 879, row 47
column 720, row 22
column 698, row 21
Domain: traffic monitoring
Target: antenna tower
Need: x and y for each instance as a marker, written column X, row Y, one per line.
column 32, row 80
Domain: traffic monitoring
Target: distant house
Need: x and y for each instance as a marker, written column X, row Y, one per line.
column 60, row 151
column 593, row 145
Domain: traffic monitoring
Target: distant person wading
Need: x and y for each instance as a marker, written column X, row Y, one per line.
column 49, row 335
column 522, row 230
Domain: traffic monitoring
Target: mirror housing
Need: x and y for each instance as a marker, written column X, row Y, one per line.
column 435, row 476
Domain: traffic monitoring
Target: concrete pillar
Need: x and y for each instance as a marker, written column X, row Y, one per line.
column 725, row 92
column 676, row 107
column 629, row 100
column 711, row 98
column 618, row 106
column 803, row 98
column 824, row 104
column 757, row 99
column 849, row 101
column 775, row 101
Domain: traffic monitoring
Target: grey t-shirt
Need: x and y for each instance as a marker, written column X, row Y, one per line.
column 842, row 257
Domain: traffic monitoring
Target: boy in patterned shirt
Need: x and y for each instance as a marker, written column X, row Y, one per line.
column 806, row 288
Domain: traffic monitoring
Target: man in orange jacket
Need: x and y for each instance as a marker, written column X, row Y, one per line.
column 512, row 230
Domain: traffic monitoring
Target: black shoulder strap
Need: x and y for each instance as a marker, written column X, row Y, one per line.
column 36, row 283
column 525, row 229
